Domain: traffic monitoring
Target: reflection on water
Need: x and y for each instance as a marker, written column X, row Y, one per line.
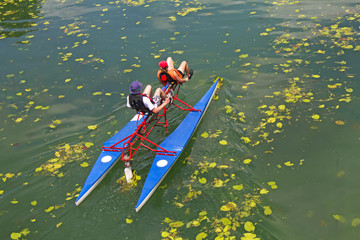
column 274, row 155
column 18, row 17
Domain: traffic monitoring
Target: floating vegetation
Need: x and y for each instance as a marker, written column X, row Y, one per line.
column 132, row 2
column 126, row 186
column 305, row 75
column 65, row 154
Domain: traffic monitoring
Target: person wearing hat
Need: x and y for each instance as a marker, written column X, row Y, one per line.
column 168, row 73
column 145, row 102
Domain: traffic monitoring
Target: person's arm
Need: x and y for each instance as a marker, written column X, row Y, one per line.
column 156, row 110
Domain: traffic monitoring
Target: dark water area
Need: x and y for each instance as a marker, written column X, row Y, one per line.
column 275, row 156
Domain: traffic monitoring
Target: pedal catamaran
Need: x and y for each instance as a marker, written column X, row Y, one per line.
column 125, row 143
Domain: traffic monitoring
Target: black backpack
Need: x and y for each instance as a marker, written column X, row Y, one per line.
column 136, row 102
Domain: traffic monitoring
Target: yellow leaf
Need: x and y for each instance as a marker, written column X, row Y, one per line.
column 226, row 221
column 355, row 222
column 246, row 139
column 39, row 169
column 25, row 231
column 204, row 135
column 202, row 180
column 249, row 226
column 264, row 191
column 92, row 127
column 84, row 164
column 339, row 218
column 2, row 192
column 272, row 184
column 14, row 201
column 315, row 116
column 127, row 70
column 281, row 108
column 218, row 183
column 228, row 109
column 165, row 234
column 212, row 165
column 9, row 175
column 179, row 205
column 289, row 164
column 128, row 220
column 89, row 144
column 223, row 142
column 15, row 236
column 225, row 208
column 97, row 93
column 203, row 213
column 229, row 206
column 247, row 161
column 238, row 187
column 267, row 210
column 339, row 122
column 249, row 236
column 223, row 166
column 34, row 203
column 49, row 209
column 271, row 120
column 176, row 224
column 59, row 224
column 279, row 125
column 18, row 120
column 201, row 236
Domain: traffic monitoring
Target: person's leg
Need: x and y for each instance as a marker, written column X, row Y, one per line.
column 147, row 91
column 158, row 95
column 170, row 63
column 184, row 68
column 159, row 92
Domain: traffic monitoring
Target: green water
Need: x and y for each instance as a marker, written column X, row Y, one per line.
column 289, row 102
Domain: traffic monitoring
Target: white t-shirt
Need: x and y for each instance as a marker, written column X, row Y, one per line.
column 146, row 101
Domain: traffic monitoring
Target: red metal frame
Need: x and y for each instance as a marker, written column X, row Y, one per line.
column 129, row 147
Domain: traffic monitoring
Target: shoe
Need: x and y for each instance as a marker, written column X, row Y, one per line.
column 191, row 73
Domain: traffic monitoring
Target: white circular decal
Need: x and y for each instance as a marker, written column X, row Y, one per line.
column 162, row 163
column 106, row 159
